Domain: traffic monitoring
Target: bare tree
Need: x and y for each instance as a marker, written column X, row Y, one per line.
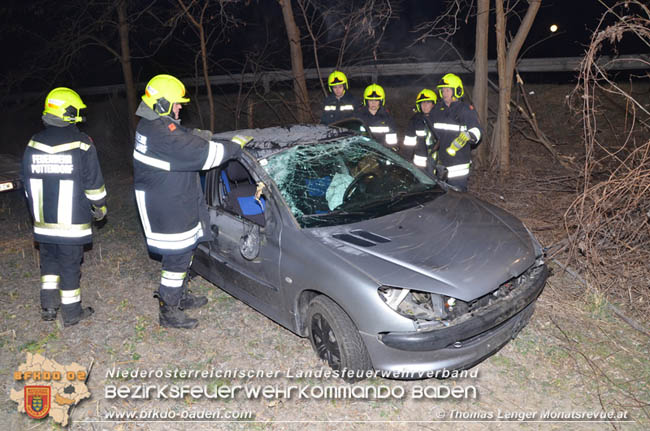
column 480, row 94
column 447, row 24
column 297, row 67
column 507, row 54
column 210, row 21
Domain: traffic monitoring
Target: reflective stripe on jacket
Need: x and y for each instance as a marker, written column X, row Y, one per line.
column 167, row 160
column 62, row 179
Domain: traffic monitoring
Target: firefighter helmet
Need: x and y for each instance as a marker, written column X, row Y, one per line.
column 451, row 81
column 162, row 92
column 374, row 92
column 65, row 104
column 337, row 78
column 425, row 95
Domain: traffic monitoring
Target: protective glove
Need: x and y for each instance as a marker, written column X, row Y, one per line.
column 98, row 212
column 205, row 134
column 241, row 139
column 458, row 143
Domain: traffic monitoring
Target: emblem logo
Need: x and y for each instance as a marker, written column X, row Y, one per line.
column 37, row 401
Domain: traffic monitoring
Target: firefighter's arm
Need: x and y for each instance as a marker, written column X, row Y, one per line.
column 474, row 128
column 93, row 181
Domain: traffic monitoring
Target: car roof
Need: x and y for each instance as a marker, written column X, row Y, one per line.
column 271, row 140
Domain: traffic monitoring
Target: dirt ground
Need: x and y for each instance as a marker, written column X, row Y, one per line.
column 575, row 356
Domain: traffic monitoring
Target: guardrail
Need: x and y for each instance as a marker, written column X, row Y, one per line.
column 375, row 71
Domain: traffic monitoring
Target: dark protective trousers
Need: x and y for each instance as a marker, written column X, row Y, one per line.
column 174, row 276
column 60, row 274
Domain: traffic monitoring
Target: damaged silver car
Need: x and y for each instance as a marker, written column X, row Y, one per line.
column 343, row 241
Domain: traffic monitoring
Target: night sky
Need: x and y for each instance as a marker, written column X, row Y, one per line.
column 30, row 63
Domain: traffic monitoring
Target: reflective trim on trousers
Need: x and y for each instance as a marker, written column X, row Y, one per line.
column 458, row 170
column 70, row 296
column 50, row 282
column 96, row 194
column 421, row 133
column 151, row 161
column 420, row 161
column 410, row 141
column 172, row 279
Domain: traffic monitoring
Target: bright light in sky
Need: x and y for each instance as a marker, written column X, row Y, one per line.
column 553, row 28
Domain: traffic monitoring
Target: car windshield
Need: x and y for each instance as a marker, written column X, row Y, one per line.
column 347, row 180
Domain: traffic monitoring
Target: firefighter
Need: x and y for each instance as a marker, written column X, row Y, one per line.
column 420, row 131
column 65, row 190
column 455, row 124
column 339, row 104
column 377, row 117
column 174, row 215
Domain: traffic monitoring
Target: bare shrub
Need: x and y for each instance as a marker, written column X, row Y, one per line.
column 609, row 221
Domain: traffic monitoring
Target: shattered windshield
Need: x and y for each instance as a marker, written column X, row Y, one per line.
column 346, row 180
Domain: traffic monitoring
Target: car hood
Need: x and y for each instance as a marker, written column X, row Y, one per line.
column 455, row 245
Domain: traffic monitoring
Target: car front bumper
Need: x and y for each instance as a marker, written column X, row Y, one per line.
column 457, row 347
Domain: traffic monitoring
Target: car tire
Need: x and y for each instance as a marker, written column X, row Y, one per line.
column 336, row 339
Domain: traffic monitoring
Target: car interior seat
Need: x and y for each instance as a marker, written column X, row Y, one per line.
column 239, row 193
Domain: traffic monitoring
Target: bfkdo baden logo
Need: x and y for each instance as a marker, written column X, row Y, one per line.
column 50, row 389
column 37, row 401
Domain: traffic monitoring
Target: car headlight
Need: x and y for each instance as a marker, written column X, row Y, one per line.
column 420, row 306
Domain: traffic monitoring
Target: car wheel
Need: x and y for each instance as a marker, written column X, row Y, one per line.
column 335, row 338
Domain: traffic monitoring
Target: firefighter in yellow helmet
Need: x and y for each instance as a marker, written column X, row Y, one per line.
column 65, row 189
column 339, row 104
column 457, row 128
column 420, row 130
column 167, row 160
column 377, row 118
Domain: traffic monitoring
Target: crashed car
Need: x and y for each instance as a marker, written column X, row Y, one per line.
column 383, row 267
column 9, row 172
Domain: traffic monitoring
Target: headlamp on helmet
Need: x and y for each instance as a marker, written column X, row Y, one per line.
column 162, row 91
column 65, row 104
column 374, row 92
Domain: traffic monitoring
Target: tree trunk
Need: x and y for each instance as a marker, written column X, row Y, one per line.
column 480, row 95
column 125, row 59
column 299, row 83
column 506, row 62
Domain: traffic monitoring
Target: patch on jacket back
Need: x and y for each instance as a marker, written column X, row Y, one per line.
column 172, row 127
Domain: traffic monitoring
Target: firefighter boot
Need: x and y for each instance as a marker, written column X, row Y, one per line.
column 172, row 316
column 71, row 320
column 189, row 301
column 48, row 314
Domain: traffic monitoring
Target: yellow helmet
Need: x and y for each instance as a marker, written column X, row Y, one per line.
column 451, row 81
column 65, row 104
column 425, row 95
column 337, row 78
column 374, row 92
column 162, row 92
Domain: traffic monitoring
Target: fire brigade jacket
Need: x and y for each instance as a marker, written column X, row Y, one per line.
column 62, row 179
column 418, row 134
column 338, row 109
column 167, row 158
column 448, row 122
column 381, row 125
